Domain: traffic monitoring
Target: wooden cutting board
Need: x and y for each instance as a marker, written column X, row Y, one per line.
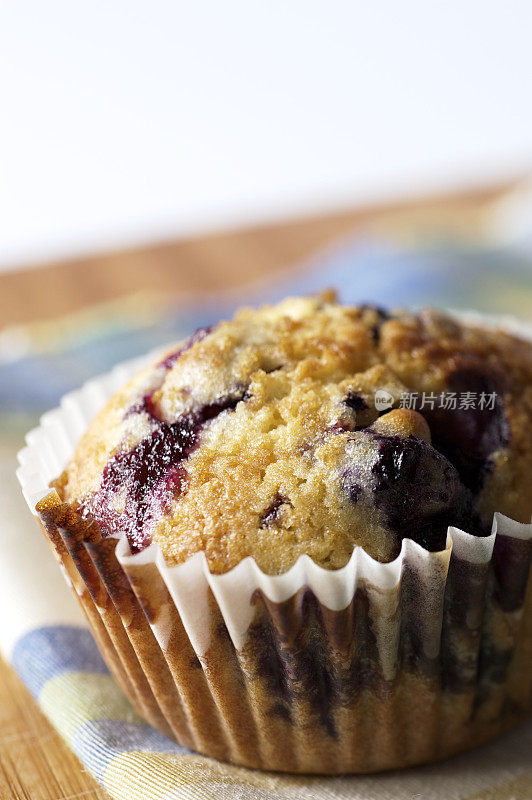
column 35, row 764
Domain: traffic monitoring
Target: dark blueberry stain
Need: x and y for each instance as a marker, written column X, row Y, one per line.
column 381, row 312
column 419, row 491
column 512, row 560
column 465, row 599
column 412, row 631
column 280, row 711
column 248, row 394
column 290, row 651
column 382, row 316
column 168, row 362
column 144, row 406
column 152, row 473
column 356, row 402
column 323, row 688
column 269, row 662
column 492, row 668
column 469, row 437
column 305, row 653
column 271, row 514
column 350, row 485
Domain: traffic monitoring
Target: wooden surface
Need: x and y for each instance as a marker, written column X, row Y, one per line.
column 34, row 762
column 223, row 260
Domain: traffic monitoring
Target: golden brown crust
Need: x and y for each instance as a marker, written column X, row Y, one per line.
column 291, row 396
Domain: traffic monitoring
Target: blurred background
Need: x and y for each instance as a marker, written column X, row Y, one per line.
column 131, row 121
column 163, row 162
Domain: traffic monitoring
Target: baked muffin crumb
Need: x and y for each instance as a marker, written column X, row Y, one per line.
column 266, row 436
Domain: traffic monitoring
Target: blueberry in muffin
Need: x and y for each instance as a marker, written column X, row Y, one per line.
column 260, row 437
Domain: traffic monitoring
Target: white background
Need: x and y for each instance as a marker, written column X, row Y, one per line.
column 122, row 121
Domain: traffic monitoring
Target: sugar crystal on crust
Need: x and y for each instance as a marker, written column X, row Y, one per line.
column 261, row 436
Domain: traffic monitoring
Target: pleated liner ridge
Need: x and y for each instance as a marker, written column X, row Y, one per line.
column 366, row 668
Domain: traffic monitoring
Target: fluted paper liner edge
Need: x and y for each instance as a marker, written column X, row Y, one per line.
column 400, row 674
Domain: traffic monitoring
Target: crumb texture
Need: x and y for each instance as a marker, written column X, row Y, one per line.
column 311, row 427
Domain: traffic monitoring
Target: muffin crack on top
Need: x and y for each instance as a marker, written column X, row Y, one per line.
column 310, row 427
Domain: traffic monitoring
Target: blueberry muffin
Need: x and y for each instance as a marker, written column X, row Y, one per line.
column 310, row 428
column 260, row 437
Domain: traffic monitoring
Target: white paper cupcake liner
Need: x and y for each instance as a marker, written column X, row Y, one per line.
column 369, row 667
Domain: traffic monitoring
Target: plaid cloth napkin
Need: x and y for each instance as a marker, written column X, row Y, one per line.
column 44, row 634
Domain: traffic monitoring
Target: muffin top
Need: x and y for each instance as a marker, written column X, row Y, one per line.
column 311, row 427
